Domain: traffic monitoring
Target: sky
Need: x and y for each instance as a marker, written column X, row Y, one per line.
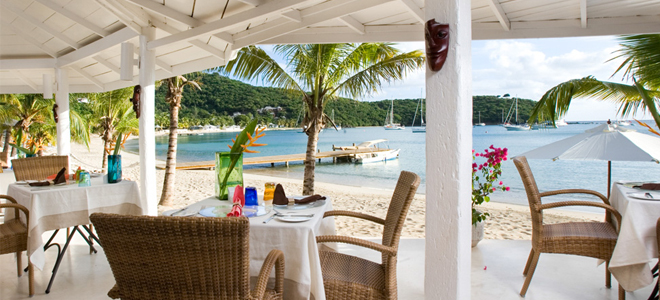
column 527, row 68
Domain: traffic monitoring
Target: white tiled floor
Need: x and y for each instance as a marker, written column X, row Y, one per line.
column 496, row 274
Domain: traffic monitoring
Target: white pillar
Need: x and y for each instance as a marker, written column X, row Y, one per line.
column 147, row 131
column 449, row 157
column 64, row 122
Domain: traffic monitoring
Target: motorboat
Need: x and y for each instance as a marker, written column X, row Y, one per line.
column 374, row 151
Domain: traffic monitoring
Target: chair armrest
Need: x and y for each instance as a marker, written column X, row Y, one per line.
column 610, row 209
column 355, row 241
column 9, row 198
column 576, row 191
column 274, row 259
column 347, row 213
column 17, row 207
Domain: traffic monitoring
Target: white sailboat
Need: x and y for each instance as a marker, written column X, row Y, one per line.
column 389, row 120
column 515, row 127
column 337, row 126
column 422, row 127
column 480, row 124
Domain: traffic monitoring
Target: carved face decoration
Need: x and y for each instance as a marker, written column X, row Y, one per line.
column 136, row 100
column 437, row 44
column 55, row 117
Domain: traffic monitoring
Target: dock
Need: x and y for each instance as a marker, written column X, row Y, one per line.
column 210, row 165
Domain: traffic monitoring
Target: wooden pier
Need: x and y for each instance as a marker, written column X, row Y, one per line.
column 210, row 165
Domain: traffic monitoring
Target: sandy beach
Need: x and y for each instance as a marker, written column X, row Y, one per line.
column 507, row 221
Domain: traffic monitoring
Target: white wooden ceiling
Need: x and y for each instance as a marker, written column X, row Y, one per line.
column 85, row 36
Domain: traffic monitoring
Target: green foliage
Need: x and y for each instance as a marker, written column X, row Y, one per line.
column 221, row 97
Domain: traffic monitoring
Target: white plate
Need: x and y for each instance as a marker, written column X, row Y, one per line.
column 95, row 174
column 181, row 213
column 219, row 211
column 21, row 182
column 292, row 219
column 643, row 196
column 317, row 203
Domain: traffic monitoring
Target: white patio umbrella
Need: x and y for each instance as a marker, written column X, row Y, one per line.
column 605, row 142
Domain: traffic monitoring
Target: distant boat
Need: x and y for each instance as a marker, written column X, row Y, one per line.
column 422, row 127
column 380, row 154
column 561, row 122
column 515, row 127
column 338, row 127
column 389, row 120
column 480, row 124
column 624, row 123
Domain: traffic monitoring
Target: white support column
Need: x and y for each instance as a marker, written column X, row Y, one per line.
column 147, row 132
column 64, row 121
column 449, row 157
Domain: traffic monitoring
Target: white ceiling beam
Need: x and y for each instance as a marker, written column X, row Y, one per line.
column 265, row 10
column 28, row 38
column 88, row 77
column 416, row 11
column 353, row 24
column 311, row 16
column 107, row 64
column 583, row 13
column 165, row 66
column 116, row 38
column 170, row 13
column 24, row 64
column 139, row 16
column 497, row 9
column 373, row 34
column 73, row 17
column 253, row 2
column 26, row 80
column 21, row 14
column 197, row 43
column 293, row 15
column 119, row 15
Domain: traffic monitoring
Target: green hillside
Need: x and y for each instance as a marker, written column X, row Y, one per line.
column 220, row 98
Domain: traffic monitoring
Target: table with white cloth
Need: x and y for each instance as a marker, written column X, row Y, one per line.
column 62, row 206
column 302, row 273
column 636, row 245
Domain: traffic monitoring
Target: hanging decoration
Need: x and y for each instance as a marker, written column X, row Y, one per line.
column 136, row 100
column 437, row 44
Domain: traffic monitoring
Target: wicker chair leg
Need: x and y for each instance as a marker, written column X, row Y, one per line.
column 608, row 275
column 529, row 261
column 622, row 293
column 532, row 268
column 19, row 263
column 30, row 277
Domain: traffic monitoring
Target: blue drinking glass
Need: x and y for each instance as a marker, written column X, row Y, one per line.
column 114, row 168
column 251, row 196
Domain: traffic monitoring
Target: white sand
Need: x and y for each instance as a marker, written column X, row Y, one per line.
column 507, row 221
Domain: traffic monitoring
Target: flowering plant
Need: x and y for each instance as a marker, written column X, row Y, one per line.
column 243, row 140
column 484, row 177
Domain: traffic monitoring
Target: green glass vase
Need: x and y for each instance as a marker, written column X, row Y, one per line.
column 229, row 173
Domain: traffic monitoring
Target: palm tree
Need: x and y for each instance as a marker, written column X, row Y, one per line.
column 319, row 73
column 173, row 97
column 112, row 114
column 641, row 54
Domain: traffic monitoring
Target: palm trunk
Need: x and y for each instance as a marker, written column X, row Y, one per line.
column 315, row 127
column 107, row 137
column 170, row 165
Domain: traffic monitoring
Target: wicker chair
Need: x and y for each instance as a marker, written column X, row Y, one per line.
column 350, row 277
column 184, row 258
column 39, row 167
column 14, row 237
column 592, row 239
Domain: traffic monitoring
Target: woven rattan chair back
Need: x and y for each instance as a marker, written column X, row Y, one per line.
column 176, row 257
column 403, row 195
column 38, row 168
column 14, row 236
column 532, row 196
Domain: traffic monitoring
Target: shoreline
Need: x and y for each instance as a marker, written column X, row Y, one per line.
column 507, row 221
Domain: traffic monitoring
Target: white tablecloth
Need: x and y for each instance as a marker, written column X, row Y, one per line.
column 637, row 243
column 302, row 273
column 56, row 207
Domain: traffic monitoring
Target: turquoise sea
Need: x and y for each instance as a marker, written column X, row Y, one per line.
column 550, row 175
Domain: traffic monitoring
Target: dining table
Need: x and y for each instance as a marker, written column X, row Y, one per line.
column 637, row 246
column 69, row 205
column 295, row 237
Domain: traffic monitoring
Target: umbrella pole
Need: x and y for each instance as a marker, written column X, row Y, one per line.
column 609, row 177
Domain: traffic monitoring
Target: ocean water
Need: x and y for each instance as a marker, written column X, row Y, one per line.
column 549, row 175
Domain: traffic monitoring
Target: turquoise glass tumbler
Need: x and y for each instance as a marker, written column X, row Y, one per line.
column 114, row 168
column 84, row 179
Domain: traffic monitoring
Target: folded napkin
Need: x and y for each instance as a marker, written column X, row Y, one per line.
column 52, row 177
column 60, row 178
column 279, row 197
column 650, row 186
column 40, row 183
column 239, row 201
